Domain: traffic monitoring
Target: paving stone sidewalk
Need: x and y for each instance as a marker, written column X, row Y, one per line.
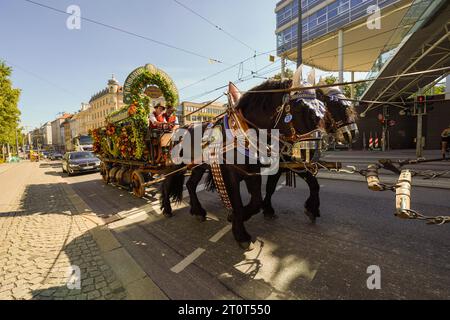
column 41, row 238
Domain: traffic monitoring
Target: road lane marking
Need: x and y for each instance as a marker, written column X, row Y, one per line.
column 277, row 188
column 220, row 234
column 280, row 186
column 188, row 260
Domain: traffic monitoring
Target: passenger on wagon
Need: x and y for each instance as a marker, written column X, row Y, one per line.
column 157, row 118
column 171, row 118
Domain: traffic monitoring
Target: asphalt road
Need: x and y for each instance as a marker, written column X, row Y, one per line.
column 292, row 259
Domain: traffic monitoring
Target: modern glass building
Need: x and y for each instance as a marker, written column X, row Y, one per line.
column 324, row 19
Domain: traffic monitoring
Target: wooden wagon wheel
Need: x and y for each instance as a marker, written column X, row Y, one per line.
column 137, row 183
column 104, row 172
column 112, row 174
column 119, row 176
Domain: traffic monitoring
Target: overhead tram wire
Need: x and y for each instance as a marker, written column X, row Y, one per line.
column 237, row 81
column 246, row 78
column 226, row 69
column 319, row 86
column 35, row 75
column 161, row 43
column 317, row 55
column 154, row 41
column 214, row 25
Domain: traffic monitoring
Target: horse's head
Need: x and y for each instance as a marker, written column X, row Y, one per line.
column 343, row 114
column 269, row 106
column 310, row 121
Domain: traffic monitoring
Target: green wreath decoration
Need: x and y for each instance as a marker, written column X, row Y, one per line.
column 156, row 77
column 124, row 135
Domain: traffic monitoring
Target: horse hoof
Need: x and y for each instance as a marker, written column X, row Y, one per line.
column 200, row 218
column 268, row 212
column 230, row 217
column 247, row 245
column 270, row 217
column 311, row 216
column 251, row 211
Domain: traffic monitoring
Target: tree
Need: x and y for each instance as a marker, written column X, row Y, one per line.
column 9, row 111
column 359, row 87
column 289, row 74
column 438, row 89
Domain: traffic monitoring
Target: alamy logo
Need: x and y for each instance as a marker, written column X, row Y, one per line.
column 197, row 147
column 73, row 22
column 374, row 280
column 374, row 20
column 74, row 278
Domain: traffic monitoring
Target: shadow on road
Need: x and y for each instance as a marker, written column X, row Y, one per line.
column 45, row 238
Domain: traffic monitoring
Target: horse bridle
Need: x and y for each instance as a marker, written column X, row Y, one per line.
column 344, row 128
column 298, row 146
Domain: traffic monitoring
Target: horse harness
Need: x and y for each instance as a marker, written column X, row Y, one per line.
column 297, row 146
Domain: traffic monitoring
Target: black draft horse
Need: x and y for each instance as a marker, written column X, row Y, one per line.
column 343, row 129
column 261, row 110
column 340, row 123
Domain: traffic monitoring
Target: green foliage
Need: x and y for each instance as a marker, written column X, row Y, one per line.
column 359, row 87
column 158, row 79
column 9, row 111
column 289, row 74
column 125, row 138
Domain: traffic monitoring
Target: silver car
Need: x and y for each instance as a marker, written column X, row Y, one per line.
column 80, row 161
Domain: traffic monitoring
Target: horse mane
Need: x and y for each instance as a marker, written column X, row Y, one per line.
column 261, row 98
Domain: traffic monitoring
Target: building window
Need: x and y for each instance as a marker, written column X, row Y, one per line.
column 321, row 19
column 344, row 7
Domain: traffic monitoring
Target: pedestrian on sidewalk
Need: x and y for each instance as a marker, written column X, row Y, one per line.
column 445, row 140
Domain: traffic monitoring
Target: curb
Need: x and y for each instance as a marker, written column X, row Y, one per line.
column 391, row 179
column 135, row 281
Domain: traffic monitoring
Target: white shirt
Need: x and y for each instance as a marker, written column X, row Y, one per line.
column 153, row 119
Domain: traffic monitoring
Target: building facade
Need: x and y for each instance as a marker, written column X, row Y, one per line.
column 80, row 119
column 332, row 25
column 46, row 130
column 101, row 105
column 58, row 132
column 66, row 132
column 207, row 114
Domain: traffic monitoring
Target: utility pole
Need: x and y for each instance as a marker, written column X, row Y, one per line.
column 299, row 36
column 420, row 109
column 384, row 126
column 283, row 67
column 419, row 136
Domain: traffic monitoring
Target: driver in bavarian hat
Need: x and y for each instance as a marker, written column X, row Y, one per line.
column 171, row 117
column 157, row 118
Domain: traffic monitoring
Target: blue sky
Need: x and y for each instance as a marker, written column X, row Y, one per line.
column 58, row 68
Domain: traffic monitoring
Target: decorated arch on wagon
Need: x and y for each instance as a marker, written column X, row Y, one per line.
column 124, row 135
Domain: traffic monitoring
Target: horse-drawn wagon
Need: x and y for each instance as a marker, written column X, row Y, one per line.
column 130, row 149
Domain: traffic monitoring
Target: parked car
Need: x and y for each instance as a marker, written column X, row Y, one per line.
column 55, row 156
column 80, row 161
column 45, row 154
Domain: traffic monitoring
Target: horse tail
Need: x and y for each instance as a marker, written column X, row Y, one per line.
column 210, row 185
column 176, row 187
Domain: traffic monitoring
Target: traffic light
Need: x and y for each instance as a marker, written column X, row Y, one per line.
column 420, row 106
